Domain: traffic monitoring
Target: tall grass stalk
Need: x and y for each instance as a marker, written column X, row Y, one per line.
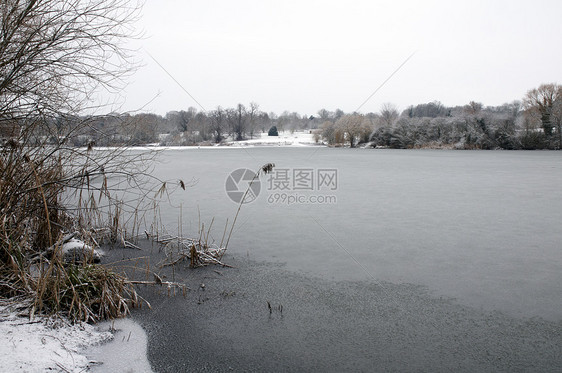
column 265, row 169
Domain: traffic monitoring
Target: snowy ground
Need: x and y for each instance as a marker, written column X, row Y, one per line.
column 44, row 345
column 286, row 138
column 126, row 352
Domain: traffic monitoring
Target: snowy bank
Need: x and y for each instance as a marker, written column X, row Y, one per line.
column 126, row 352
column 297, row 138
column 45, row 345
column 285, row 139
column 55, row 345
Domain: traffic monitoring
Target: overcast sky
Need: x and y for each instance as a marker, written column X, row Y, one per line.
column 307, row 55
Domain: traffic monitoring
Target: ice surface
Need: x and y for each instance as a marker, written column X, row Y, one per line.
column 478, row 226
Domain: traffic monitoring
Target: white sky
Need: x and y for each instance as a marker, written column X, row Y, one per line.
column 306, row 55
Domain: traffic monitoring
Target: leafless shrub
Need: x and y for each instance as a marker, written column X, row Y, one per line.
column 55, row 55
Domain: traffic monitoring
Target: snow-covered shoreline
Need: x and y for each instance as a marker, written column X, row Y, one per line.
column 297, row 138
column 47, row 344
column 43, row 344
column 285, row 139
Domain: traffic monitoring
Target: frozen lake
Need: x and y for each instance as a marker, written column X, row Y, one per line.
column 482, row 227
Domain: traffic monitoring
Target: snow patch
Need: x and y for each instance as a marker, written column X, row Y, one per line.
column 286, row 138
column 76, row 250
column 127, row 352
column 297, row 138
column 45, row 345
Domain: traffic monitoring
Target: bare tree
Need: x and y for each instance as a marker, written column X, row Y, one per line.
column 54, row 56
column 142, row 128
column 253, row 114
column 263, row 121
column 338, row 114
column 473, row 108
column 389, row 114
column 182, row 119
column 430, row 110
column 354, row 127
column 237, row 121
column 542, row 101
column 218, row 117
column 331, row 133
column 324, row 115
column 556, row 119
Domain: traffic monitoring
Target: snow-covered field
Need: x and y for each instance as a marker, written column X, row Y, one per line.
column 42, row 345
column 286, row 138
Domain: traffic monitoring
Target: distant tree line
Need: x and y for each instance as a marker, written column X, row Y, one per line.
column 188, row 127
column 533, row 123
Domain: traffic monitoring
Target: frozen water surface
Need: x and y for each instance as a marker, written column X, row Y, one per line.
column 482, row 227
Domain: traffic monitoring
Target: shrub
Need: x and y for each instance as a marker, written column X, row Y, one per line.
column 533, row 140
column 273, row 131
